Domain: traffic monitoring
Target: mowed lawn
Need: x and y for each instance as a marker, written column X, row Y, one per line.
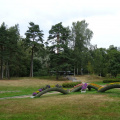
column 76, row 106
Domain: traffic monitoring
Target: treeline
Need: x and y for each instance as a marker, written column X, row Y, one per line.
column 66, row 49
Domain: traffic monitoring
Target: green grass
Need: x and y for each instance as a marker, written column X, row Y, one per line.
column 61, row 107
column 74, row 106
column 16, row 91
column 113, row 92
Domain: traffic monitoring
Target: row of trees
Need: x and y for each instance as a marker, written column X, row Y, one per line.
column 67, row 49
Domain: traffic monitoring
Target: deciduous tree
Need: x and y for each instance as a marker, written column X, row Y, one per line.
column 81, row 36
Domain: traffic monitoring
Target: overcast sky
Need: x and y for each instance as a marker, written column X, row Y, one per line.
column 103, row 16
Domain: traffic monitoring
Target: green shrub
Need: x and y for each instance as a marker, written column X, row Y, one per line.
column 40, row 72
column 70, row 85
column 118, row 76
column 111, row 80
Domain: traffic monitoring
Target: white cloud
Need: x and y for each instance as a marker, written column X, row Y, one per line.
column 103, row 16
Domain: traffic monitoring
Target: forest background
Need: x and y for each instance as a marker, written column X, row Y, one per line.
column 66, row 51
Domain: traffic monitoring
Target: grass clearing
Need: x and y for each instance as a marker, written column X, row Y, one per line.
column 62, row 107
column 75, row 106
column 27, row 82
column 25, row 86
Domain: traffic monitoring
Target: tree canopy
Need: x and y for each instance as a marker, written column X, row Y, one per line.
column 68, row 48
column 34, row 39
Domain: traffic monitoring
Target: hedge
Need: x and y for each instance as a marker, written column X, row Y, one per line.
column 111, row 80
column 71, row 84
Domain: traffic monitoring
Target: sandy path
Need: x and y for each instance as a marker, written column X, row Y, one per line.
column 25, row 96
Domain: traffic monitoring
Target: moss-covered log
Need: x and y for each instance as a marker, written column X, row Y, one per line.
column 52, row 89
column 89, row 88
column 103, row 89
column 92, row 86
column 77, row 89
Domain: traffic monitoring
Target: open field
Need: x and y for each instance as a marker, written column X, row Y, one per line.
column 75, row 106
column 89, row 78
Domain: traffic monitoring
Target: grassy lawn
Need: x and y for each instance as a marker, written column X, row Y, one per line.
column 75, row 106
column 24, row 86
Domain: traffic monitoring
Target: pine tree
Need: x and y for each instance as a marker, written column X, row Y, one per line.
column 59, row 38
column 34, row 39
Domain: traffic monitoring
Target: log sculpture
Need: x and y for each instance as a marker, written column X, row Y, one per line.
column 52, row 89
column 110, row 86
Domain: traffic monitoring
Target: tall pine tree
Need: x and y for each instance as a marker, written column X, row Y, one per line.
column 59, row 38
column 34, row 39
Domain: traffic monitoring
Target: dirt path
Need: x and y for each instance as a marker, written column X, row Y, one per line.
column 25, row 96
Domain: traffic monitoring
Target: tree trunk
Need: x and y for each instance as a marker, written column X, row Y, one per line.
column 81, row 71
column 57, row 53
column 7, row 71
column 57, row 75
column 74, row 71
column 1, row 74
column 57, row 43
column 77, row 71
column 31, row 66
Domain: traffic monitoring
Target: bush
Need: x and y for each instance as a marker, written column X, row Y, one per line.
column 70, row 85
column 41, row 72
column 111, row 80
